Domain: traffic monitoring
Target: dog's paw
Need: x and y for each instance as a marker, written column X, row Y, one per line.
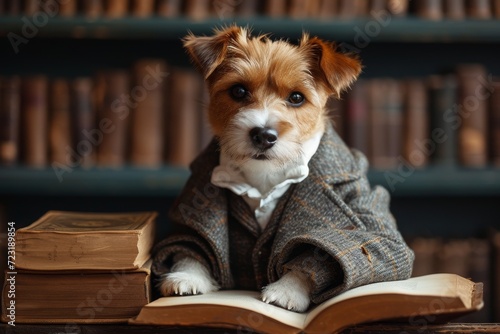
column 290, row 292
column 188, row 277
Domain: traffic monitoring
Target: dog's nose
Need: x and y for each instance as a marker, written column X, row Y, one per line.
column 263, row 138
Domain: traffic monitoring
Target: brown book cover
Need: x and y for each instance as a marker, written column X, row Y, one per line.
column 31, row 7
column 34, row 118
column 66, row 240
column 143, row 8
column 479, row 9
column 496, row 8
column 85, row 135
column 116, row 8
column 93, row 8
column 197, row 10
column 59, row 122
column 430, row 9
column 77, row 297
column 349, row 9
column 358, row 117
column 378, row 5
column 300, row 9
column 14, row 7
column 472, row 137
column 328, row 9
column 10, row 113
column 249, row 8
column 455, row 9
column 442, row 105
column 68, row 8
column 146, row 146
column 415, row 123
column 398, row 7
column 275, row 8
column 183, row 118
column 112, row 116
column 376, row 302
column 169, row 8
column 378, row 135
column 494, row 107
column 426, row 255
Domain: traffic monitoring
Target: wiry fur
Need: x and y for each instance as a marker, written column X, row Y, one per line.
column 270, row 71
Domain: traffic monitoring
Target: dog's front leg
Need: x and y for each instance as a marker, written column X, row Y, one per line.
column 292, row 291
column 187, row 277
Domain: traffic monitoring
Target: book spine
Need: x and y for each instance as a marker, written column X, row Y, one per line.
column 206, row 133
column 68, row 8
column 455, row 9
column 473, row 146
column 479, row 9
column 143, row 8
column 31, row 7
column 14, row 7
column 183, row 133
column 85, row 135
column 426, row 254
column 112, row 117
column 357, row 114
column 169, row 8
column 329, row 9
column 378, row 133
column 496, row 8
column 398, row 7
column 9, row 120
column 116, row 8
column 249, row 8
column 495, row 122
column 147, row 120
column 394, row 111
column 59, row 121
column 93, row 8
column 415, row 123
column 197, row 10
column 430, row 9
column 349, row 9
column 442, row 102
column 34, row 120
column 275, row 8
column 378, row 5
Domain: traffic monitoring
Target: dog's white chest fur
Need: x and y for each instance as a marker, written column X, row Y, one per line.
column 260, row 183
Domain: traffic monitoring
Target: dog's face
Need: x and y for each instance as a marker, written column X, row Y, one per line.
column 268, row 97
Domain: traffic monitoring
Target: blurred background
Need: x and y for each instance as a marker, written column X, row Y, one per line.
column 101, row 110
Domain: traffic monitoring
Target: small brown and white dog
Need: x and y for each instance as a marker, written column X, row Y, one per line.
column 267, row 109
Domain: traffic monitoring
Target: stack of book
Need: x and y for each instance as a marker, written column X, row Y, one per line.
column 76, row 267
column 296, row 9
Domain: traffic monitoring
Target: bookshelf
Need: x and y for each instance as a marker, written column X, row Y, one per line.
column 435, row 201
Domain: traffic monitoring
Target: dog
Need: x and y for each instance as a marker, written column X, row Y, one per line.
column 267, row 112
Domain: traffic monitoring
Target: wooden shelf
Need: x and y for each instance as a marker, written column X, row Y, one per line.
column 391, row 30
column 168, row 181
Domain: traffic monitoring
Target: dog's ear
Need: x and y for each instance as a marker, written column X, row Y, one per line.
column 337, row 70
column 209, row 52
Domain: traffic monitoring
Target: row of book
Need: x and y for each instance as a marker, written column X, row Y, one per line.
column 474, row 258
column 153, row 115
column 223, row 9
column 80, row 268
column 448, row 119
column 148, row 116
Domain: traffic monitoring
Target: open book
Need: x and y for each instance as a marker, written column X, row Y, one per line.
column 434, row 297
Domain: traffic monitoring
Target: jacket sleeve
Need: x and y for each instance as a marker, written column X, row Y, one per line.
column 348, row 237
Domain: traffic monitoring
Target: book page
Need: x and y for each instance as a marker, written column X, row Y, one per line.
column 249, row 300
column 436, row 285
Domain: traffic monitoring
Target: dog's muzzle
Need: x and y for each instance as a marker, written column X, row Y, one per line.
column 263, row 138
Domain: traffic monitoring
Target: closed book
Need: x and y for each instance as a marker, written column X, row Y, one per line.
column 472, row 139
column 249, row 8
column 430, row 9
column 10, row 113
column 378, row 5
column 275, row 8
column 143, row 8
column 300, row 9
column 494, row 107
column 349, row 9
column 197, row 10
column 169, row 8
column 34, row 117
column 146, row 148
column 93, row 8
column 77, row 297
column 68, row 8
column 85, row 135
column 479, row 9
column 60, row 139
column 183, row 118
column 67, row 240
column 455, row 9
column 415, row 123
column 328, row 9
column 112, row 117
column 398, row 7
column 496, row 8
column 426, row 251
column 116, row 8
column 14, row 7
column 358, row 117
column 31, row 7
column 378, row 135
column 443, row 111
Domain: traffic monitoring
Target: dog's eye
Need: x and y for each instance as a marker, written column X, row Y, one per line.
column 296, row 99
column 238, row 92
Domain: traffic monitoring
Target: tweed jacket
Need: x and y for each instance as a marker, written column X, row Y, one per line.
column 332, row 226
